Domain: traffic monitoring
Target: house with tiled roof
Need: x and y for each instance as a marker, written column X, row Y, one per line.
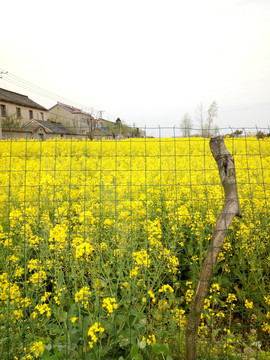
column 76, row 119
column 41, row 130
column 21, row 117
column 20, row 108
column 81, row 121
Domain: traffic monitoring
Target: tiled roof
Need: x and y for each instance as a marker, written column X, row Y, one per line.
column 49, row 126
column 54, row 127
column 71, row 109
column 19, row 99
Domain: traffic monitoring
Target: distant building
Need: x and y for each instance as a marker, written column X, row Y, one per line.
column 41, row 130
column 81, row 122
column 17, row 109
column 23, row 118
column 73, row 118
column 103, row 130
column 20, row 107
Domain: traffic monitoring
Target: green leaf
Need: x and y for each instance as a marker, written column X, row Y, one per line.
column 58, row 353
column 164, row 335
column 60, row 280
column 62, row 316
column 142, row 344
column 140, row 324
column 160, row 348
column 73, row 310
column 103, row 351
column 122, row 318
column 51, row 357
column 132, row 319
column 127, row 337
column 75, row 336
column 46, row 355
column 138, row 357
column 134, row 350
column 48, row 347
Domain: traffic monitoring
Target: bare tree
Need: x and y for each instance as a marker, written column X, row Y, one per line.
column 215, row 131
column 208, row 128
column 186, row 124
column 200, row 115
column 11, row 121
column 212, row 113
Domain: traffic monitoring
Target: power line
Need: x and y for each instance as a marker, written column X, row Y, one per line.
column 51, row 114
column 19, row 82
column 24, row 84
column 2, row 72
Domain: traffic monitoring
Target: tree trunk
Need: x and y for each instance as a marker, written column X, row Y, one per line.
column 231, row 208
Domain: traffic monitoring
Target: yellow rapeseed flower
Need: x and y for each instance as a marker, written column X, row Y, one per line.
column 83, row 295
column 141, row 258
column 93, row 330
column 166, row 288
column 248, row 304
column 37, row 348
column 109, row 304
column 150, row 339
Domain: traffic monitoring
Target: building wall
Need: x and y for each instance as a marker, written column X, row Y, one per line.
column 38, row 134
column 11, row 109
column 76, row 122
column 16, row 134
column 100, row 135
column 61, row 115
column 77, row 136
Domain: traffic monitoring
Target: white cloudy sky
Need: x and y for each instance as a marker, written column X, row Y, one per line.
column 145, row 61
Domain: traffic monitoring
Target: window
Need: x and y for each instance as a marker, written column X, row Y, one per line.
column 18, row 112
column 41, row 116
column 3, row 110
column 30, row 114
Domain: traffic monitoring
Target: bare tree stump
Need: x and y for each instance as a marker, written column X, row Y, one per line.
column 231, row 208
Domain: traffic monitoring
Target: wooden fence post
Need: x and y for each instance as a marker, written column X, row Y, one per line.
column 231, row 208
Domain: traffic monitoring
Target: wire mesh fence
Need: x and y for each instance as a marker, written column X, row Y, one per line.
column 102, row 244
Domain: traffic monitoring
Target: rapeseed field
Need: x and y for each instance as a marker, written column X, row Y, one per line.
column 102, row 242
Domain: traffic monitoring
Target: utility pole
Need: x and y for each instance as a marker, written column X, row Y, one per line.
column 100, row 113
column 3, row 72
column 100, row 118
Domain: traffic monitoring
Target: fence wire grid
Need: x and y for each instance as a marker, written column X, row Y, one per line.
column 102, row 244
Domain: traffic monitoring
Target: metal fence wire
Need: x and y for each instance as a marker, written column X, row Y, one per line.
column 102, row 246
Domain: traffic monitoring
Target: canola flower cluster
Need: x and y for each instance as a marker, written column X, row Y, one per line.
column 92, row 333
column 150, row 339
column 99, row 237
column 110, row 305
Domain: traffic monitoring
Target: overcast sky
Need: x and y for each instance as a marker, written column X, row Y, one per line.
column 145, row 61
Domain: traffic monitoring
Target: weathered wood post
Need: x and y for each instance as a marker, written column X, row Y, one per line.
column 231, row 208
